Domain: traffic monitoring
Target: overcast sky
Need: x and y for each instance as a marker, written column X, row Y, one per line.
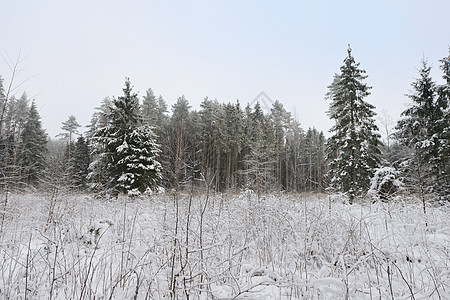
column 78, row 52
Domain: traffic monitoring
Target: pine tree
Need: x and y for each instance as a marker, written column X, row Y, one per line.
column 295, row 137
column 310, row 153
column 281, row 119
column 32, row 156
column 70, row 127
column 354, row 147
column 207, row 136
column 234, row 120
column 321, row 166
column 3, row 105
column 125, row 149
column 314, row 154
column 179, row 143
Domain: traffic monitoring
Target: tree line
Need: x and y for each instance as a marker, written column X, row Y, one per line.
column 224, row 145
column 134, row 145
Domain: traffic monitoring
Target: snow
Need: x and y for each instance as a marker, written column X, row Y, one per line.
column 382, row 176
column 240, row 247
column 123, row 147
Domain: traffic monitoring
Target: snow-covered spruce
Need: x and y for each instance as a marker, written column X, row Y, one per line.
column 125, row 149
column 354, row 147
column 425, row 129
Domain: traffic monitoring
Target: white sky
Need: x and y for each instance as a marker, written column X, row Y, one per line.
column 78, row 52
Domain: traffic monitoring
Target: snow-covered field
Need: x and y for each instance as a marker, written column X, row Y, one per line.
column 224, row 247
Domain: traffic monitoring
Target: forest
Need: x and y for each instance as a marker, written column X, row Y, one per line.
column 233, row 148
column 227, row 202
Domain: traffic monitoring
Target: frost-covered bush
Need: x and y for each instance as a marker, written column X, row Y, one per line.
column 385, row 183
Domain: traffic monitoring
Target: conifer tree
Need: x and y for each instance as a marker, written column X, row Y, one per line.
column 321, row 166
column 70, row 127
column 310, row 153
column 207, row 114
column 2, row 136
column 414, row 129
column 154, row 112
column 126, row 150
column 260, row 154
column 3, row 105
column 17, row 114
column 32, row 155
column 162, row 132
column 150, row 108
column 281, row 119
column 354, row 146
column 99, row 118
column 441, row 157
column 162, row 118
column 424, row 129
column 313, row 159
column 295, row 140
column 79, row 164
column 234, row 134
column 179, row 143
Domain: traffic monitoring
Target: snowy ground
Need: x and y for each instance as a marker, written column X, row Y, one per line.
column 230, row 247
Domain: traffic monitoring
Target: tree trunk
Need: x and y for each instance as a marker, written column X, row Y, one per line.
column 287, row 167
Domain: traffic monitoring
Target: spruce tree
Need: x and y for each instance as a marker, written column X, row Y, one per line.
column 424, row 128
column 32, row 155
column 415, row 128
column 79, row 164
column 354, row 146
column 150, row 108
column 441, row 157
column 137, row 161
column 260, row 153
column 125, row 149
column 18, row 112
column 162, row 112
